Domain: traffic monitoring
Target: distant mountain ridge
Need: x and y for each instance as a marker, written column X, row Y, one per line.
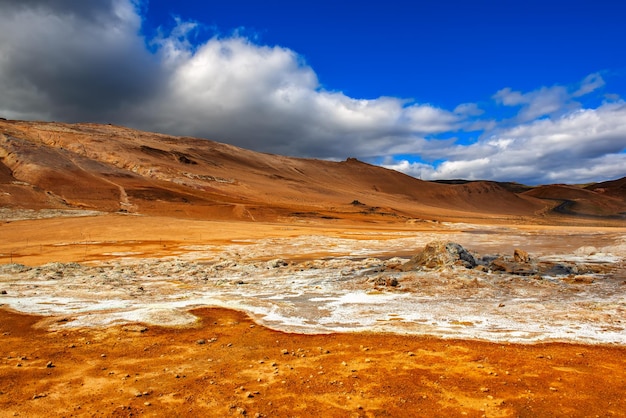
column 117, row 169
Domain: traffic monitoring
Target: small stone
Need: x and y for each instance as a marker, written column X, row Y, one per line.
column 411, row 354
column 135, row 328
column 3, row 292
column 484, row 389
column 147, row 403
column 103, row 355
column 284, row 351
column 201, row 341
column 249, row 395
column 40, row 395
column 553, row 389
column 49, row 365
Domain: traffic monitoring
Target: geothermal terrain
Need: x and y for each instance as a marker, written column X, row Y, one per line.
column 145, row 274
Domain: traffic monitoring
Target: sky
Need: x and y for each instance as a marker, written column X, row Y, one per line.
column 526, row 91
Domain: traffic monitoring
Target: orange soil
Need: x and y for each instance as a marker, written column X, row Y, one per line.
column 244, row 369
column 35, row 242
column 84, row 239
column 120, row 371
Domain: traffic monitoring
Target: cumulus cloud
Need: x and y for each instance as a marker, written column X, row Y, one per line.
column 74, row 60
column 71, row 60
column 267, row 98
column 582, row 145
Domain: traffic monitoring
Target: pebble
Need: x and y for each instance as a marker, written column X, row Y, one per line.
column 49, row 365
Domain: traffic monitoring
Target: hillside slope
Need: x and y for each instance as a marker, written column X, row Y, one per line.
column 116, row 169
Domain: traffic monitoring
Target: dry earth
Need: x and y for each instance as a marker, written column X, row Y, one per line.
column 227, row 366
column 110, row 357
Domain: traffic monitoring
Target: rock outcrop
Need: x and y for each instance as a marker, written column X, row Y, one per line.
column 438, row 254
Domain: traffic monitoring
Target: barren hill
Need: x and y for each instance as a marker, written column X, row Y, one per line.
column 116, row 169
column 606, row 201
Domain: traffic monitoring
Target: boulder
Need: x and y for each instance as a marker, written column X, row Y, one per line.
column 439, row 254
column 503, row 265
column 541, row 268
column 521, row 256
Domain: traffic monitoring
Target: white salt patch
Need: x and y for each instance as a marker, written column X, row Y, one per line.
column 331, row 295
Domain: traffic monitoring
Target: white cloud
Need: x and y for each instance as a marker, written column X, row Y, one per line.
column 468, row 109
column 547, row 101
column 267, row 98
column 582, row 145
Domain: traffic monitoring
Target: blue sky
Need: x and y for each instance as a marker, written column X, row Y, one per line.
column 523, row 91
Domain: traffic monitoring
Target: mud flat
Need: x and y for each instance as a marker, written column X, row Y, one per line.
column 233, row 318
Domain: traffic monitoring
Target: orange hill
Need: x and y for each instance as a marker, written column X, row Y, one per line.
column 116, row 169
